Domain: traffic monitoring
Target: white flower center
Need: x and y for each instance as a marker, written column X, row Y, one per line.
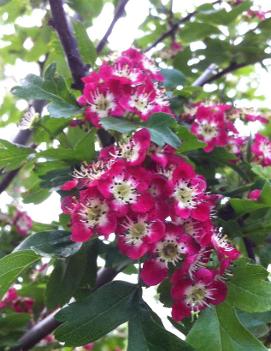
column 102, row 104
column 169, row 251
column 185, row 195
column 124, row 191
column 129, row 151
column 208, row 130
column 141, row 103
column 196, row 295
column 265, row 148
column 136, row 231
column 94, row 212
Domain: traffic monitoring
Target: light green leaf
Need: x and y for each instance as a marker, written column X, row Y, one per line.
column 189, row 141
column 12, row 265
column 249, row 289
column 86, row 48
column 12, row 156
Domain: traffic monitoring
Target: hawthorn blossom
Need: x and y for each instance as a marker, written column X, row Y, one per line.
column 22, row 222
column 261, row 149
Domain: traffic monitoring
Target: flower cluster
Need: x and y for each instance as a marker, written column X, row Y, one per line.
column 17, row 303
column 129, row 84
column 158, row 208
column 215, row 125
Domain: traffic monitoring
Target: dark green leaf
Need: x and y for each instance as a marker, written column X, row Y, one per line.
column 12, row 265
column 95, row 316
column 52, row 88
column 147, row 334
column 54, row 243
column 159, row 126
column 173, row 77
column 119, row 124
column 218, row 329
column 65, row 279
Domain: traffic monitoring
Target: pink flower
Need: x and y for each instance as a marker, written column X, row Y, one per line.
column 135, row 149
column 174, row 246
column 127, row 190
column 22, row 222
column 254, row 195
column 252, row 118
column 223, row 247
column 190, row 297
column 210, row 125
column 261, row 150
column 92, row 214
column 136, row 234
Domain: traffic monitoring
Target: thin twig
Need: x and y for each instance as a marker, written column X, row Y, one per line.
column 174, row 27
column 171, row 31
column 119, row 12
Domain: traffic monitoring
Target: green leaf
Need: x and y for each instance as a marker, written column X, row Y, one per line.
column 189, row 141
column 98, row 314
column 54, row 243
column 194, row 31
column 82, row 150
column 159, row 126
column 146, row 333
column 256, row 323
column 242, row 206
column 218, row 329
column 65, row 279
column 119, row 124
column 222, row 16
column 265, row 197
column 86, row 48
column 173, row 77
column 3, row 2
column 12, row 265
column 52, row 88
column 249, row 289
column 12, row 156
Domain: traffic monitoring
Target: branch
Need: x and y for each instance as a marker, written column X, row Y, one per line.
column 231, row 68
column 119, row 12
column 171, row 31
column 174, row 27
column 47, row 325
column 60, row 23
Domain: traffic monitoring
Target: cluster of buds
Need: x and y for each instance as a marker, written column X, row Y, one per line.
column 129, row 84
column 158, row 208
column 215, row 125
column 17, row 303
